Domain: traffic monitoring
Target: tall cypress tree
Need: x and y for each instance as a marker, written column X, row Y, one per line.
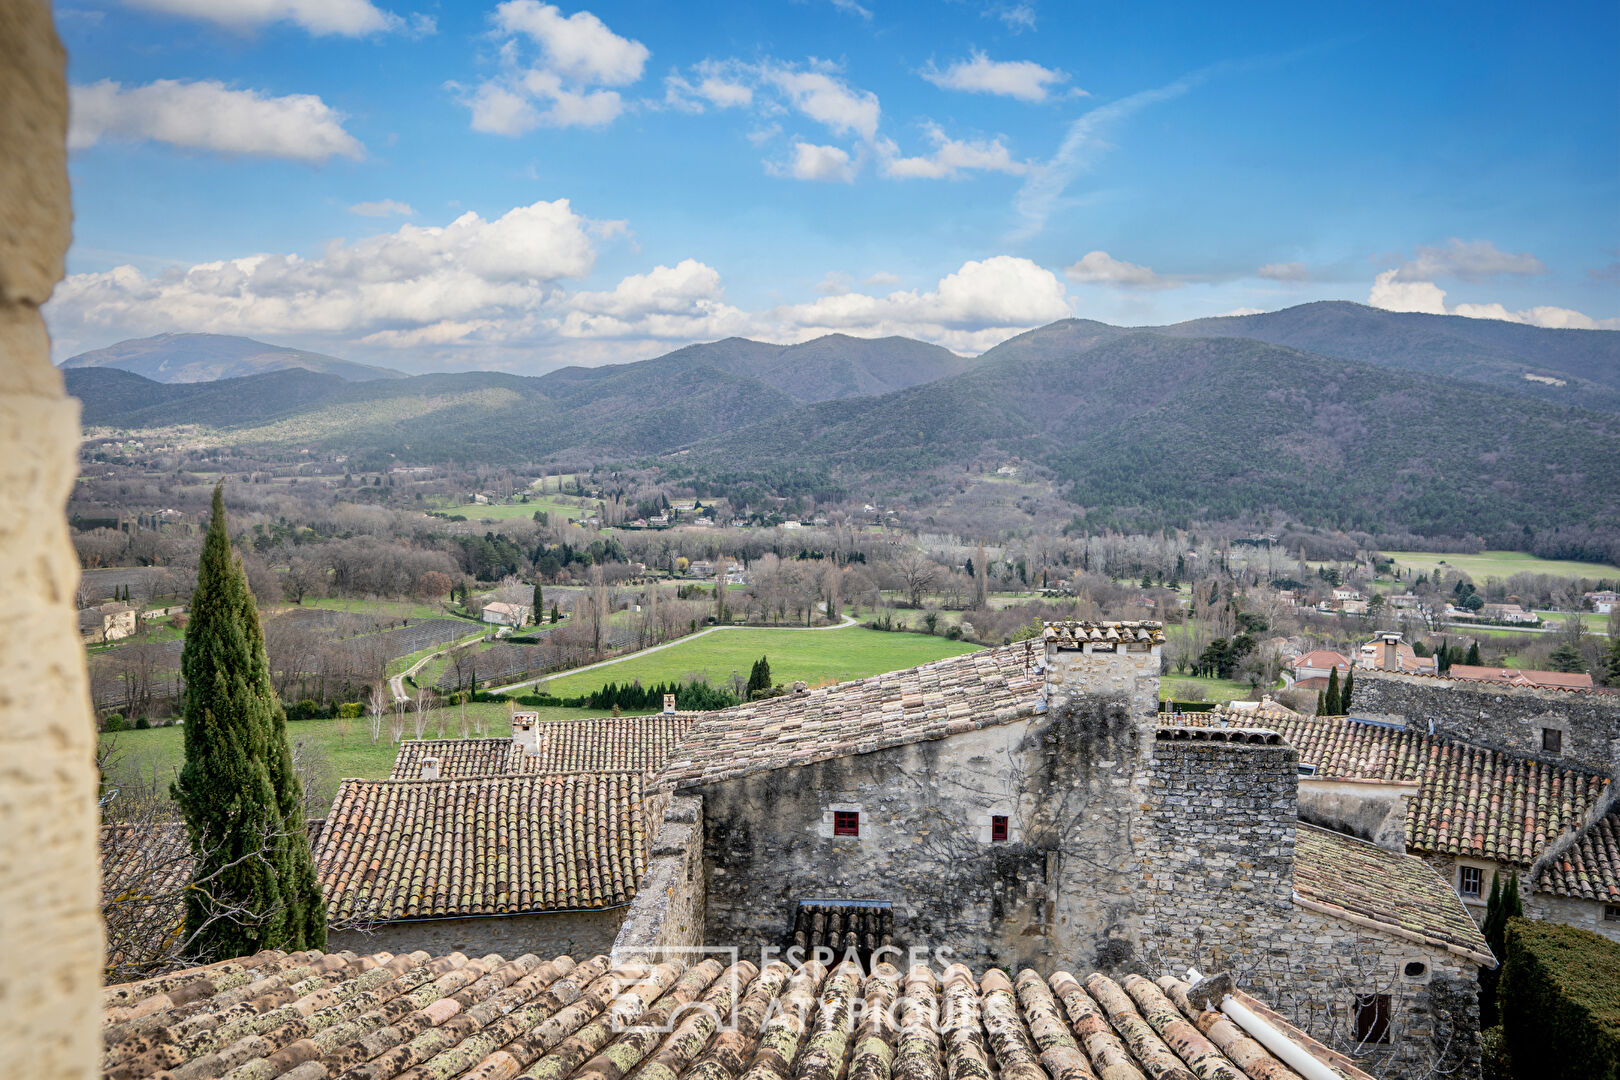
column 539, row 606
column 1473, row 654
column 1330, row 702
column 1346, row 690
column 1504, row 904
column 237, row 789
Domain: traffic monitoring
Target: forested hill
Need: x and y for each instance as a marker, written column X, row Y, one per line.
column 193, row 358
column 1154, row 429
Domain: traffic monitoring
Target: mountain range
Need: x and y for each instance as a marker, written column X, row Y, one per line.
column 194, row 358
column 1337, row 414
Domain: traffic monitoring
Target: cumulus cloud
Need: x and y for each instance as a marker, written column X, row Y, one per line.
column 1021, row 79
column 1288, row 271
column 1101, row 268
column 405, row 283
column 577, row 55
column 952, row 157
column 710, row 83
column 883, row 278
column 1017, row 17
column 684, row 301
column 208, row 115
column 827, row 99
column 351, row 18
column 826, row 164
column 383, row 208
column 1392, row 293
column 1471, row 260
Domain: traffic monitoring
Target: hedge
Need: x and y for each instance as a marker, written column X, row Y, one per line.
column 1560, row 1000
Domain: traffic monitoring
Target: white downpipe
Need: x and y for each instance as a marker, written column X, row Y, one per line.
column 1292, row 1054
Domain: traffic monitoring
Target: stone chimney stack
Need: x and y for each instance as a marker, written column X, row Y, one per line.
column 526, row 732
column 669, row 703
column 430, row 768
column 1390, row 646
column 1116, row 661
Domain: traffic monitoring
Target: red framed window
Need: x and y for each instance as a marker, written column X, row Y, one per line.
column 846, row 823
column 998, row 829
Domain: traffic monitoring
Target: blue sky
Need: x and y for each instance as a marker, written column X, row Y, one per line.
column 520, row 185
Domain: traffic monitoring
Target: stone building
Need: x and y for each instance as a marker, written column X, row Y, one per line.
column 1022, row 807
column 106, row 622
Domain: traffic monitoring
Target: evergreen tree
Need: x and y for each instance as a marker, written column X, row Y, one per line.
column 1473, row 655
column 237, row 790
column 539, row 605
column 1346, row 690
column 556, row 616
column 1503, row 904
column 760, row 677
column 1330, row 702
column 1614, row 663
column 1442, row 658
column 1567, row 658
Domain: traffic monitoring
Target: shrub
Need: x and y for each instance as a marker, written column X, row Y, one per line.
column 142, row 724
column 114, row 722
column 351, row 710
column 1560, row 1002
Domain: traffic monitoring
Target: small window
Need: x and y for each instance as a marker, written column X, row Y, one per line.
column 1611, row 912
column 1470, row 880
column 1307, row 770
column 1552, row 740
column 1415, row 969
column 846, row 823
column 1372, row 1018
column 998, row 829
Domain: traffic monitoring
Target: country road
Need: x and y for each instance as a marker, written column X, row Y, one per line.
column 668, row 644
column 396, row 684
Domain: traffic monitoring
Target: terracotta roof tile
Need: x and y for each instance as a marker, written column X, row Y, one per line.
column 409, row 849
column 602, row 744
column 980, row 689
column 1472, row 801
column 1590, row 868
column 314, row 1015
column 1398, row 890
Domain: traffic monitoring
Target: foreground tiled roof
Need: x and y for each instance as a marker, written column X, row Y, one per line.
column 312, row 1016
column 412, row 849
column 1388, row 888
column 980, row 689
column 604, row 744
column 1590, row 868
column 1471, row 801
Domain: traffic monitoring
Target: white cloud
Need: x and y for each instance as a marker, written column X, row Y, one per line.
column 715, row 84
column 1018, row 17
column 578, row 55
column 850, row 7
column 352, row 18
column 828, row 164
column 1021, row 79
column 827, row 99
column 1472, row 260
column 579, row 47
column 1239, row 311
column 1288, row 271
column 208, row 115
column 1391, row 293
column 951, row 158
column 403, row 282
column 383, row 208
column 684, row 301
column 1101, row 268
column 835, row 283
column 883, row 278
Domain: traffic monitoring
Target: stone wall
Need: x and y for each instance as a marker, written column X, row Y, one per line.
column 50, row 930
column 1503, row 717
column 1587, row 914
column 670, row 901
column 580, row 935
column 1371, row 810
column 1131, row 677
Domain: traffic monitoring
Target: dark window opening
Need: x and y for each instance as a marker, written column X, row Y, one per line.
column 1611, row 912
column 846, row 823
column 1552, row 740
column 1470, row 879
column 1372, row 1018
column 1416, row 969
column 998, row 829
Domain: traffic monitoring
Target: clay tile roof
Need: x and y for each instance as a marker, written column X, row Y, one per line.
column 1589, row 869
column 316, row 1015
column 1072, row 633
column 980, row 689
column 639, row 744
column 1521, row 676
column 1389, row 888
column 503, row 845
column 1471, row 800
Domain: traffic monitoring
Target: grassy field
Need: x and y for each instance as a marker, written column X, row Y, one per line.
column 551, row 504
column 386, row 609
column 1186, row 688
column 347, row 744
column 815, row 656
column 1501, row 564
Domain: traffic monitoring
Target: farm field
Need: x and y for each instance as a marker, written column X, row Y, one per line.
column 1187, row 688
column 815, row 656
column 551, row 504
column 385, row 609
column 350, row 751
column 1501, row 564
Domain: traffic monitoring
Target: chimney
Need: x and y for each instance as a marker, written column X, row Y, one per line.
column 526, row 732
column 1391, row 660
column 669, row 703
column 1117, row 661
column 430, row 768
